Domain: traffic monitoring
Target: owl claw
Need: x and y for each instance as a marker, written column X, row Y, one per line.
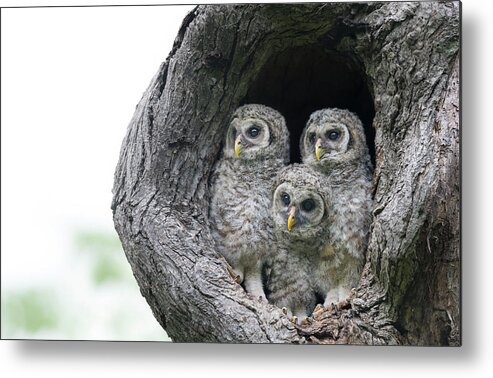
column 285, row 310
column 318, row 307
column 353, row 293
column 294, row 319
column 235, row 276
column 306, row 320
column 343, row 305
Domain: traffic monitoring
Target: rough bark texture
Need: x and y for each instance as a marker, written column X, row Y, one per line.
column 408, row 58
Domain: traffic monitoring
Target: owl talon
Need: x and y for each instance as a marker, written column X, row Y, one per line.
column 306, row 320
column 294, row 320
column 235, row 276
column 285, row 310
column 353, row 293
column 344, row 304
column 318, row 307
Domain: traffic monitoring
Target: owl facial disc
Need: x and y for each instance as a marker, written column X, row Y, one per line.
column 298, row 209
column 249, row 136
column 328, row 139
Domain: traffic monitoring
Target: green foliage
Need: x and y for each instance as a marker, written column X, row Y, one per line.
column 95, row 241
column 95, row 296
column 106, row 269
column 107, row 262
column 29, row 311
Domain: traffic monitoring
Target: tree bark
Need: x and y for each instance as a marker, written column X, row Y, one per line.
column 408, row 55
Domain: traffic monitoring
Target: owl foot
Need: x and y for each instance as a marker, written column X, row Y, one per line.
column 285, row 310
column 344, row 304
column 318, row 307
column 294, row 319
column 353, row 293
column 235, row 276
column 306, row 320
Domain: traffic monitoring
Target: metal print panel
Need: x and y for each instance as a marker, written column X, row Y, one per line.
column 291, row 175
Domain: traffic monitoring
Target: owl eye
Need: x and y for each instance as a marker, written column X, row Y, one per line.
column 332, row 135
column 308, row 205
column 285, row 199
column 253, row 132
column 311, row 138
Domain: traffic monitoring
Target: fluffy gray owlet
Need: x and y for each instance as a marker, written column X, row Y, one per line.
column 334, row 144
column 256, row 148
column 302, row 216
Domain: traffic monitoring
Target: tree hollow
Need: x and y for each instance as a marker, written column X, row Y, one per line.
column 302, row 79
column 396, row 65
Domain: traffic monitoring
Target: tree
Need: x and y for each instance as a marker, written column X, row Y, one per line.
column 397, row 66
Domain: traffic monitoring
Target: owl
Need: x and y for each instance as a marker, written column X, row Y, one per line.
column 256, row 147
column 334, row 144
column 306, row 265
column 301, row 225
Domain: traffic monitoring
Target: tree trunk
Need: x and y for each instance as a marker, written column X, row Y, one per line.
column 397, row 66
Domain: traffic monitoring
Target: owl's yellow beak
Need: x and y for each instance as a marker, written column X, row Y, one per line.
column 238, row 146
column 291, row 218
column 319, row 150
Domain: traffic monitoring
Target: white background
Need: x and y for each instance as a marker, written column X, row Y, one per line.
column 71, row 78
column 110, row 81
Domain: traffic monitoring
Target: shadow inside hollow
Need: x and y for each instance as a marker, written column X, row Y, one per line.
column 300, row 80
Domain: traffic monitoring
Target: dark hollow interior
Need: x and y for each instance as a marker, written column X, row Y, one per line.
column 303, row 79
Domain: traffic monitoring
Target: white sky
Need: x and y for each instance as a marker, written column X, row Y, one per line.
column 71, row 78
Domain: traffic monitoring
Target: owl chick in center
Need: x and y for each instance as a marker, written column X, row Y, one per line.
column 256, row 147
column 302, row 219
